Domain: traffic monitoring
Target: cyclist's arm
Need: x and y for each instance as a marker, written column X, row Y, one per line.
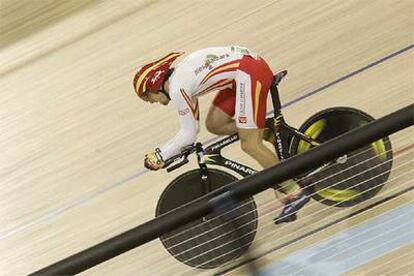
column 189, row 125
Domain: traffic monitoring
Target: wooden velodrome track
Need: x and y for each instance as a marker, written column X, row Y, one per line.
column 74, row 133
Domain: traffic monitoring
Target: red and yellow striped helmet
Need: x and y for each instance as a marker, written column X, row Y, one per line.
column 151, row 77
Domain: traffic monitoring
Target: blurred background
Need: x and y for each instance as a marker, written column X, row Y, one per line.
column 74, row 133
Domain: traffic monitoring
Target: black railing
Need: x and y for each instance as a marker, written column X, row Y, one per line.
column 239, row 190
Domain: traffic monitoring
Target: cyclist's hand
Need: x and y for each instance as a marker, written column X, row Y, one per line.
column 153, row 161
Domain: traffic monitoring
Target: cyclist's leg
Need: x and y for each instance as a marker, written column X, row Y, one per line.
column 253, row 81
column 220, row 115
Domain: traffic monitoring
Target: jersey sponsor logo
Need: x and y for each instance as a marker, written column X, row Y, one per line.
column 183, row 112
column 208, row 62
column 243, row 120
column 243, row 51
column 242, row 99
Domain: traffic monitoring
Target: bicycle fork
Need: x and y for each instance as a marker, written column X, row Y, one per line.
column 205, row 178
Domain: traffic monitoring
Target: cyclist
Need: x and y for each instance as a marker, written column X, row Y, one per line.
column 242, row 80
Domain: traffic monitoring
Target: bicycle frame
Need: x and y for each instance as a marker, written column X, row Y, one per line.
column 212, row 154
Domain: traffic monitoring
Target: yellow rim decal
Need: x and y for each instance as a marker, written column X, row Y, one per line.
column 338, row 195
column 313, row 131
column 257, row 99
column 378, row 146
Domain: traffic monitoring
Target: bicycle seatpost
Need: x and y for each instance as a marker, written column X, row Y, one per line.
column 275, row 92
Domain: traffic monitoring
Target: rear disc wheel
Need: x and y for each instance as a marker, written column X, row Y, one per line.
column 352, row 178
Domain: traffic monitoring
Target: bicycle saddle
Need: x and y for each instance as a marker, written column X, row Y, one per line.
column 278, row 77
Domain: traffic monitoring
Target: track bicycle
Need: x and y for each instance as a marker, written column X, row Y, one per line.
column 344, row 182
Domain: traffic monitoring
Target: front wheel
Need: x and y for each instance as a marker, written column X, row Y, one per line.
column 211, row 241
column 350, row 179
